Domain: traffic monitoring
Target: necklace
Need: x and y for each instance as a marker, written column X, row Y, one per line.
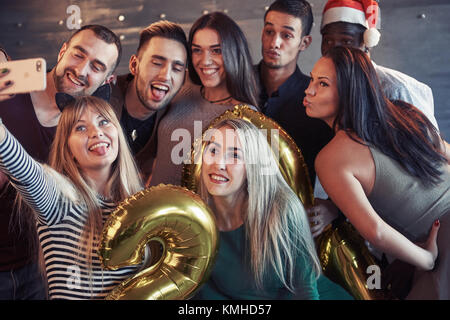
column 202, row 92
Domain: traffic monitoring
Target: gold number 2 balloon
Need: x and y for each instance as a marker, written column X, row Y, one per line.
column 180, row 230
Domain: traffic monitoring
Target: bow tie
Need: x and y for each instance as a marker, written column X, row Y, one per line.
column 64, row 99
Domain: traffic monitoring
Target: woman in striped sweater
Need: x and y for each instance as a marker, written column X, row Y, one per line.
column 91, row 170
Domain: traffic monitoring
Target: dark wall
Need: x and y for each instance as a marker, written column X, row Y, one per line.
column 415, row 33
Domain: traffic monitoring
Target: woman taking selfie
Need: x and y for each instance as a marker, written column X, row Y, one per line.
column 90, row 170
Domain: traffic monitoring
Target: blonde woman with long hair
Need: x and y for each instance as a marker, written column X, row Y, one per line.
column 266, row 248
column 91, row 170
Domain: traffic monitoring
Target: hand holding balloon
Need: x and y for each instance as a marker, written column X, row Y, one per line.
column 182, row 235
column 321, row 215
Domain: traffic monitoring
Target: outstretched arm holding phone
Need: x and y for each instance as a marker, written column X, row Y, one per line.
column 3, row 85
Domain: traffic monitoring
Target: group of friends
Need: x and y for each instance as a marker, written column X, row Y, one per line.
column 71, row 153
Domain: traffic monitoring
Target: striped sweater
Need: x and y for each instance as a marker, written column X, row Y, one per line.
column 60, row 225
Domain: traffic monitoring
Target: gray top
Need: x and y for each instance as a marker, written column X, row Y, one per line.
column 411, row 208
column 403, row 201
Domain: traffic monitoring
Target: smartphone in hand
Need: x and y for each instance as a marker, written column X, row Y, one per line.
column 25, row 75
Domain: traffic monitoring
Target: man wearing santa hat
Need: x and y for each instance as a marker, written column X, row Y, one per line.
column 354, row 23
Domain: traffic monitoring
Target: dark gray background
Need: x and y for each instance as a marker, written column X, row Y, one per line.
column 415, row 33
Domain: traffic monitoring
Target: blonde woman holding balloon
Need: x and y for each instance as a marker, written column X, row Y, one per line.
column 266, row 249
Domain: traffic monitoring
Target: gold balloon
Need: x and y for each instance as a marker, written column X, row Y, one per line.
column 179, row 229
column 290, row 158
column 345, row 257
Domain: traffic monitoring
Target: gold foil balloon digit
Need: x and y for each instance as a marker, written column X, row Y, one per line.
column 180, row 231
column 345, row 258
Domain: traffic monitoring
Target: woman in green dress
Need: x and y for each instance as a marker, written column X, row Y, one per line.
column 266, row 248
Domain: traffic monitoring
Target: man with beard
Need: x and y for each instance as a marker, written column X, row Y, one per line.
column 157, row 73
column 85, row 61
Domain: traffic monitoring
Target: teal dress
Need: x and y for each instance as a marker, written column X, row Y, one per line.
column 231, row 277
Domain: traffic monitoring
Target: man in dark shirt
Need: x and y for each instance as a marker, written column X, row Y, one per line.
column 157, row 73
column 287, row 24
column 85, row 61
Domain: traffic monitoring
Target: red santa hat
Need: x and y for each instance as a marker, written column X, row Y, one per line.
column 363, row 12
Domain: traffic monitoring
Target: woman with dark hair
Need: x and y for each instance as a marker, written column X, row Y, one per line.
column 236, row 81
column 221, row 74
column 387, row 168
